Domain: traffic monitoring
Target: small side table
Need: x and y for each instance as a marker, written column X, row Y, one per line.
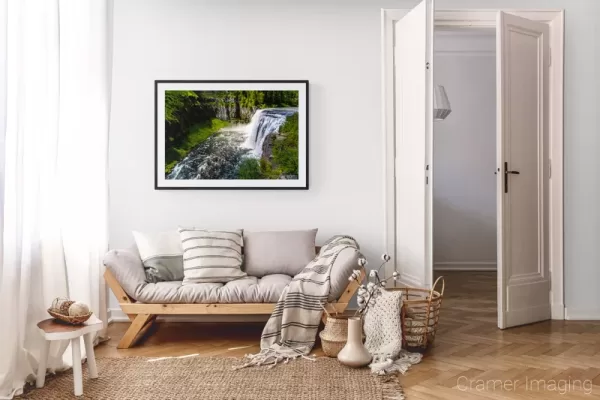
column 53, row 330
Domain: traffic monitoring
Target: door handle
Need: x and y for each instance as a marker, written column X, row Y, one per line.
column 506, row 172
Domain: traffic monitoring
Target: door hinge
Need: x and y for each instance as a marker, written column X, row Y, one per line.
column 427, row 174
column 427, row 65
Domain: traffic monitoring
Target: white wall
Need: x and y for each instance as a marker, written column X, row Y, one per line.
column 335, row 44
column 336, row 48
column 464, row 191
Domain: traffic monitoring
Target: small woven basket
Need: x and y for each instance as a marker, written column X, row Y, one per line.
column 419, row 315
column 335, row 335
column 73, row 320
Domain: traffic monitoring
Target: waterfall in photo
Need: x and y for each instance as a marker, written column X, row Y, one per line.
column 264, row 123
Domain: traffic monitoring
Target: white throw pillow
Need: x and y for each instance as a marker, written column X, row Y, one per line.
column 211, row 255
column 161, row 254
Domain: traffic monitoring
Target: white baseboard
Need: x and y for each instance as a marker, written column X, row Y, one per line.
column 582, row 314
column 117, row 315
column 465, row 266
column 558, row 311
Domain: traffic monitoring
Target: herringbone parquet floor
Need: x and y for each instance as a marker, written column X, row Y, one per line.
column 471, row 359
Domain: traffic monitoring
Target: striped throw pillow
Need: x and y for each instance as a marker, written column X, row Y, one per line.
column 211, row 256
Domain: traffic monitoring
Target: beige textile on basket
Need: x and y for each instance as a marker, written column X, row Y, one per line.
column 383, row 331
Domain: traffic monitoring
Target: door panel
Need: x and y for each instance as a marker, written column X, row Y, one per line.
column 523, row 122
column 413, row 59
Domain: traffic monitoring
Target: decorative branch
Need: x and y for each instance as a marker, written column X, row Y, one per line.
column 366, row 294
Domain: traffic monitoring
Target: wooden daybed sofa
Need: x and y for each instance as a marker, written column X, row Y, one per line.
column 143, row 301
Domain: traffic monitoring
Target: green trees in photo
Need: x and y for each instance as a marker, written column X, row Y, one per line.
column 189, row 119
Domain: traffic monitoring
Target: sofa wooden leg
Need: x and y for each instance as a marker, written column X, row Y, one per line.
column 140, row 325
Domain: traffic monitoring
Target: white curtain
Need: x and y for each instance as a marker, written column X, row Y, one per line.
column 55, row 58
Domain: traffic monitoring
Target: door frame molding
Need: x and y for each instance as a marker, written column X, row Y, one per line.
column 484, row 18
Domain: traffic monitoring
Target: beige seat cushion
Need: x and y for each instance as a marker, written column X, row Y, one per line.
column 126, row 266
column 245, row 290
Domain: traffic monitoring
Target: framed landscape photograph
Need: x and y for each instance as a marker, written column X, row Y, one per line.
column 231, row 134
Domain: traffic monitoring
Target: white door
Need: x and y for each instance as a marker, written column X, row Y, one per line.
column 523, row 58
column 413, row 71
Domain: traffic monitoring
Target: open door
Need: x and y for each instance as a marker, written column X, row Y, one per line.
column 523, row 57
column 413, row 59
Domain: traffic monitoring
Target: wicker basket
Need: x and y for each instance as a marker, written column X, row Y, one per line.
column 420, row 314
column 335, row 335
column 73, row 320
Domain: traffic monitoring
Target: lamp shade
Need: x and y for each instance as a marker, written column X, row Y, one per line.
column 441, row 104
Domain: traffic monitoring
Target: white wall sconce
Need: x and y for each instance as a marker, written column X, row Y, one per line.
column 441, row 104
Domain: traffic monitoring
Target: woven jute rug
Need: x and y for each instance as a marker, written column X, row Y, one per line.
column 214, row 379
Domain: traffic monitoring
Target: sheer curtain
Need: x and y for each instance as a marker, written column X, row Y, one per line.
column 55, row 58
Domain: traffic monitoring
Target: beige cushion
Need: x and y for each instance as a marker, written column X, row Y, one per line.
column 127, row 268
column 211, row 256
column 284, row 252
column 245, row 290
column 345, row 263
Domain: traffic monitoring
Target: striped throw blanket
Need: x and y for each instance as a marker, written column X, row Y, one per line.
column 290, row 331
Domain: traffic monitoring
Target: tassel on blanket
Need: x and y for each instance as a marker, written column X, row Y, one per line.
column 275, row 355
column 401, row 364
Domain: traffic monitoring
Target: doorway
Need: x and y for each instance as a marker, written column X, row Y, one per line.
column 524, row 41
column 464, row 165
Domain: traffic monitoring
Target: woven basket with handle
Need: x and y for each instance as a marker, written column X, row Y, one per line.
column 420, row 315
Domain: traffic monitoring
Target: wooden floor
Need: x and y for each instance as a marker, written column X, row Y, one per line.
column 471, row 359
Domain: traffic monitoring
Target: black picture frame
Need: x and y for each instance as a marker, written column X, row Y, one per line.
column 159, row 166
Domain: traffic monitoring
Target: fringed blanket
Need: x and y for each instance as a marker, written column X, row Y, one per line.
column 291, row 330
column 383, row 331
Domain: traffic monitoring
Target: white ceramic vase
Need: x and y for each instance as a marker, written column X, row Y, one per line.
column 354, row 354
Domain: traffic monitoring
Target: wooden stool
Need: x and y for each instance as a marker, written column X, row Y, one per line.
column 53, row 330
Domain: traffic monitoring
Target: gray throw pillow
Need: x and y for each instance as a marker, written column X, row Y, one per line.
column 161, row 254
column 284, row 252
